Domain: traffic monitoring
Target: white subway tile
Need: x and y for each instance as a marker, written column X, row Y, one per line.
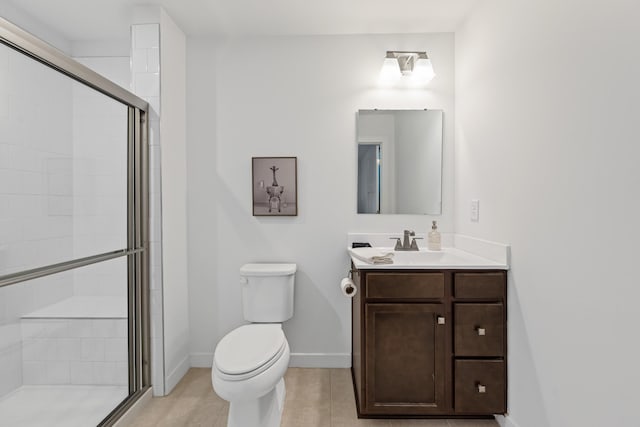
column 36, row 349
column 154, row 103
column 10, row 371
column 110, row 373
column 122, row 376
column 153, row 60
column 81, row 373
column 122, row 328
column 56, row 328
column 59, row 184
column 60, row 205
column 41, row 228
column 58, row 372
column 104, row 328
column 4, row 315
column 116, row 349
column 5, row 104
column 147, row 84
column 9, row 181
column 27, row 159
column 69, row 349
column 5, row 153
column 139, row 62
column 10, row 335
column 32, row 328
column 21, row 297
column 146, row 36
column 10, row 230
column 34, row 373
column 31, row 182
column 60, row 165
column 80, row 328
column 92, row 349
column 24, row 206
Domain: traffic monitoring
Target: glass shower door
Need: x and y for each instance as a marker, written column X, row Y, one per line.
column 72, row 255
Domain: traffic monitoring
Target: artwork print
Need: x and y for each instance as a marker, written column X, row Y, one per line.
column 275, row 183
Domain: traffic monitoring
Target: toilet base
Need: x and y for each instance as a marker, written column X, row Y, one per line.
column 265, row 411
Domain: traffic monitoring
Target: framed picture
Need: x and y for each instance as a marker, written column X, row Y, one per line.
column 275, row 186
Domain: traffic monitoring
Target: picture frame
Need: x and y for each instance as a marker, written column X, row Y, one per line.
column 274, row 186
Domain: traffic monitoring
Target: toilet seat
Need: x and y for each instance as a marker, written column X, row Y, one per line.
column 248, row 351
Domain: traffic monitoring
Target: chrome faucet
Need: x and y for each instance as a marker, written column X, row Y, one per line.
column 407, row 244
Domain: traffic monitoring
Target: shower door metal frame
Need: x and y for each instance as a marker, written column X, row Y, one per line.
column 137, row 251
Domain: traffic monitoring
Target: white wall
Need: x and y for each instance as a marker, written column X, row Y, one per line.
column 174, row 199
column 290, row 96
column 202, row 202
column 547, row 139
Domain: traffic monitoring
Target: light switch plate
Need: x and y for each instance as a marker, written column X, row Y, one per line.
column 475, row 210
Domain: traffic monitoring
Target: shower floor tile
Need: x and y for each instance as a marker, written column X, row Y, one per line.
column 59, row 406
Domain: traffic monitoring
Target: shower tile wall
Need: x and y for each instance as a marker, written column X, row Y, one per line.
column 45, row 179
column 145, row 60
column 74, row 351
column 35, row 226
column 100, row 176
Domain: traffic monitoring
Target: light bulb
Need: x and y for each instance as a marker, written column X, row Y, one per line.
column 422, row 71
column 390, row 72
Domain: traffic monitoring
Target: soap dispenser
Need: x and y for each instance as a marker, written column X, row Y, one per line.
column 434, row 242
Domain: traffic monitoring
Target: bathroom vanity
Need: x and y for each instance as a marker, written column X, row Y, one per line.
column 429, row 341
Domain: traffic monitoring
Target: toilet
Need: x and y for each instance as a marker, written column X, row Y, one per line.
column 249, row 362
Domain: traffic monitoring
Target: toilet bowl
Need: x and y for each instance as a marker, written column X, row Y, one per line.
column 249, row 362
column 248, row 368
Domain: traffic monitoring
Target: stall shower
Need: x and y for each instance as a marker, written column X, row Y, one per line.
column 73, row 240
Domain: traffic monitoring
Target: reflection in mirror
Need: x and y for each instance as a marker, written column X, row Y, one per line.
column 400, row 161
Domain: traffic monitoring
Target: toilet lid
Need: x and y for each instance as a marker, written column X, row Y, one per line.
column 248, row 348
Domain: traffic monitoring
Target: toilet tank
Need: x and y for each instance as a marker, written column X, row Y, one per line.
column 267, row 292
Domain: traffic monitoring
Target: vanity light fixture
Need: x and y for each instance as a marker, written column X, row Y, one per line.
column 414, row 68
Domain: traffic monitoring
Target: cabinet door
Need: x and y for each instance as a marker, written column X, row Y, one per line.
column 479, row 330
column 480, row 387
column 405, row 359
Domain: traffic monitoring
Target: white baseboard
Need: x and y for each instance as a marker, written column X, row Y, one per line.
column 127, row 419
column 505, row 421
column 320, row 360
column 201, row 360
column 176, row 375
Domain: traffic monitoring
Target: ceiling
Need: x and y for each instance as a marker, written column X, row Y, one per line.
column 109, row 19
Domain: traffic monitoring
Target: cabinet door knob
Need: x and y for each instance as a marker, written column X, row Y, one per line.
column 482, row 388
column 481, row 331
column 441, row 320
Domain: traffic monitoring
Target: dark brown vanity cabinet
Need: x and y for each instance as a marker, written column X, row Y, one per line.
column 429, row 343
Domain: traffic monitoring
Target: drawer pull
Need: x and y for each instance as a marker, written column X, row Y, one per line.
column 481, row 331
column 441, row 320
column 482, row 388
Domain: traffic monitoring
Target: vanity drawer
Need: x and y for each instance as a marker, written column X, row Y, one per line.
column 480, row 386
column 405, row 285
column 479, row 330
column 479, row 285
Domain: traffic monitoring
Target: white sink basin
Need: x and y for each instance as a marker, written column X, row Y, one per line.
column 447, row 258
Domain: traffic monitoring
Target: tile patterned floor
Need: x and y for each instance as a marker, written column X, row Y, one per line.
column 315, row 398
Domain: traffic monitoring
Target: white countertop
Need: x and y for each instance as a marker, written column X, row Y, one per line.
column 447, row 258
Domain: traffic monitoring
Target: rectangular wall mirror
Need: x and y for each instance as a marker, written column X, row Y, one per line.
column 399, row 161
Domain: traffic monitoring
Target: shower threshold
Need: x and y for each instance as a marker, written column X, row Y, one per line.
column 59, row 405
